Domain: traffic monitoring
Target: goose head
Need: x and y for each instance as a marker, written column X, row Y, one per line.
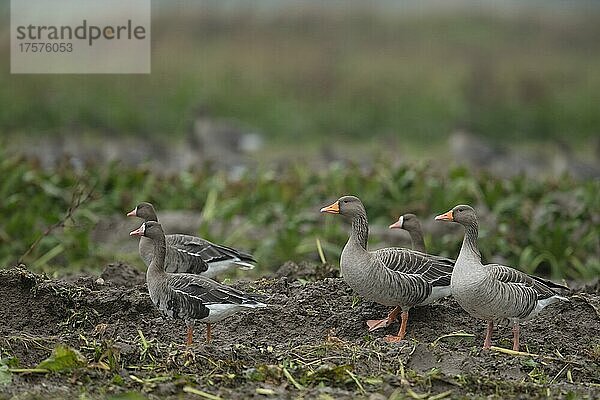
column 408, row 222
column 348, row 206
column 462, row 214
column 145, row 211
column 150, row 229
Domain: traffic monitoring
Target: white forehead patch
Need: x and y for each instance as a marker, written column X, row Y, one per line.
column 401, row 221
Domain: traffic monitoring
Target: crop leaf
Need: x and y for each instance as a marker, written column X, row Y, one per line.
column 63, row 358
column 5, row 374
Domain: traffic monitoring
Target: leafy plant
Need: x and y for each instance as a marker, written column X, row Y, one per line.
column 5, row 374
column 547, row 227
column 63, row 358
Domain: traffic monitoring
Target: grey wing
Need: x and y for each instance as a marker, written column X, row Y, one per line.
column 549, row 284
column 217, row 252
column 182, row 299
column 185, row 254
column 510, row 276
column 519, row 292
column 434, row 270
column 207, row 291
column 194, row 254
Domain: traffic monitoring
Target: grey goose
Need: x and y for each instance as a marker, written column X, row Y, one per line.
column 188, row 296
column 191, row 254
column 396, row 277
column 494, row 292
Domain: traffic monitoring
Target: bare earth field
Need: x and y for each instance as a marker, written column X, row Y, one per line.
column 311, row 342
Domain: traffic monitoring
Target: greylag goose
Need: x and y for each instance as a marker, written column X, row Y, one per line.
column 187, row 296
column 494, row 292
column 190, row 254
column 411, row 224
column 390, row 276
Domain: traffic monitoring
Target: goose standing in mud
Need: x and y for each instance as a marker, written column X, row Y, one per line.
column 391, row 276
column 494, row 292
column 191, row 254
column 187, row 296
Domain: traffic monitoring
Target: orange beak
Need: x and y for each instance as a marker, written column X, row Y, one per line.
column 332, row 208
column 445, row 217
column 132, row 213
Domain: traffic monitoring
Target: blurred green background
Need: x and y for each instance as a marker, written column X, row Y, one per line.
column 300, row 71
column 413, row 106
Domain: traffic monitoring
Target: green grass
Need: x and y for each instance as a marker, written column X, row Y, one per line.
column 546, row 226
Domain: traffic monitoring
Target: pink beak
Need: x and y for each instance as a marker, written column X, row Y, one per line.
column 132, row 213
column 138, row 232
column 398, row 224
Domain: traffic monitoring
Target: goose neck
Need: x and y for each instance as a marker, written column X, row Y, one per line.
column 157, row 266
column 416, row 238
column 469, row 245
column 360, row 230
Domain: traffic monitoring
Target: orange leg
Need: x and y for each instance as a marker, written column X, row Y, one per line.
column 516, row 330
column 208, row 336
column 190, row 335
column 488, row 335
column 374, row 324
column 401, row 332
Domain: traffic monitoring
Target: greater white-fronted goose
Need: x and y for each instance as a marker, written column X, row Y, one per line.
column 391, row 276
column 187, row 296
column 494, row 292
column 191, row 254
column 411, row 224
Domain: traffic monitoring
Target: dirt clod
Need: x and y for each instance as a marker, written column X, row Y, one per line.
column 120, row 274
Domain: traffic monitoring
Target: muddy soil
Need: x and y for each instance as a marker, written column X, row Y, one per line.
column 310, row 343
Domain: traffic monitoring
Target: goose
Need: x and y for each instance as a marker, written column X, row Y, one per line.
column 191, row 254
column 187, row 296
column 390, row 276
column 411, row 224
column 494, row 292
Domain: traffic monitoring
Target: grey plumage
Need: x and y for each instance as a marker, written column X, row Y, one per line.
column 187, row 296
column 494, row 292
column 390, row 276
column 415, row 274
column 193, row 297
column 191, row 254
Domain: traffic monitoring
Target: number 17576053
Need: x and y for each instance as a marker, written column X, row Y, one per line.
column 45, row 47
